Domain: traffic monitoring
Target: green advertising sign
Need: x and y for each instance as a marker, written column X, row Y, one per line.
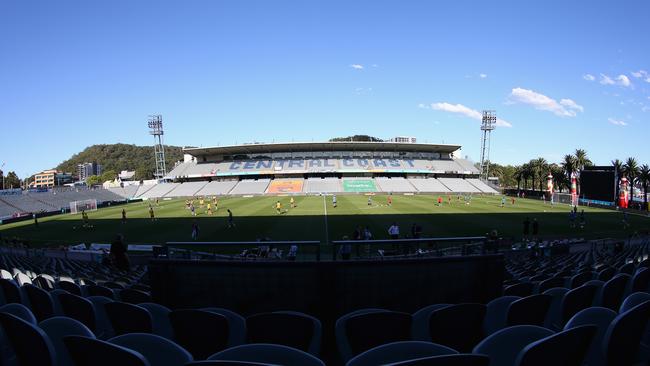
column 359, row 185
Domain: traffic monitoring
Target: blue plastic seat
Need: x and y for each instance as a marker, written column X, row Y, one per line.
column 236, row 324
column 128, row 318
column 369, row 330
column 103, row 328
column 504, row 346
column 86, row 351
column 530, row 310
column 600, row 317
column 133, row 296
column 462, row 359
column 342, row 341
column 20, row 311
column 202, row 333
column 41, row 303
column 568, row 347
column 160, row 320
column 496, row 314
column 399, row 351
column 268, row 353
column 612, row 292
column 30, row 344
column 299, row 330
column 59, row 327
column 420, row 325
column 157, row 350
column 623, row 337
column 458, row 326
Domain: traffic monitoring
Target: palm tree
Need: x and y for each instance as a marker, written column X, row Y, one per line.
column 631, row 170
column 541, row 168
column 581, row 162
column 618, row 170
column 644, row 179
column 569, row 166
column 519, row 174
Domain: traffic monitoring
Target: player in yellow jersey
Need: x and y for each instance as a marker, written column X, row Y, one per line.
column 292, row 201
column 209, row 210
column 278, row 207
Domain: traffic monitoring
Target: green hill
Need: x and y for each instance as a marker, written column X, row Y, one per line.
column 118, row 157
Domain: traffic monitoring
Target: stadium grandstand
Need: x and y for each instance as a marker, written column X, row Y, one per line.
column 324, row 167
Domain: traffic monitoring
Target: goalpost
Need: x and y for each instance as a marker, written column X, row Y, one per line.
column 85, row 205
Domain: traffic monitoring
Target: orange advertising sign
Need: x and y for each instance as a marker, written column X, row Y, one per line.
column 285, row 186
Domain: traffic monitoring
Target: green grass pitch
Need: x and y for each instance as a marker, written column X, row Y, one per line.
column 314, row 218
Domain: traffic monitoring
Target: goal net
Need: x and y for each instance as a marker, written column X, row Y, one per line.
column 565, row 198
column 85, row 205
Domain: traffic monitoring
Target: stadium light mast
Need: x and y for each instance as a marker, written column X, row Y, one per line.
column 488, row 123
column 156, row 129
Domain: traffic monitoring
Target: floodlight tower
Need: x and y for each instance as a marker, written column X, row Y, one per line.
column 156, row 129
column 488, row 123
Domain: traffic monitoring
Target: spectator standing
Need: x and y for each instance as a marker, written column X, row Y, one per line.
column 118, row 253
column 393, row 231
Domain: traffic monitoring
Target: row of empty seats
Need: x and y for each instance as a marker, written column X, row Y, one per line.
column 193, row 169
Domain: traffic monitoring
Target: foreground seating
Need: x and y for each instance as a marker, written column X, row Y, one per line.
column 274, row 354
column 158, row 351
column 30, row 344
column 399, row 351
column 86, row 351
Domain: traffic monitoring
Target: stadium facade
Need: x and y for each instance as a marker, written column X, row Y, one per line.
column 324, row 167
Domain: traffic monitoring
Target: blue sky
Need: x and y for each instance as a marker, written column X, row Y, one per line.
column 561, row 74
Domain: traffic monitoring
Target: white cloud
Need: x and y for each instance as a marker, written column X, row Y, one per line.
column 357, row 66
column 466, row 111
column 565, row 108
column 620, row 80
column 606, row 80
column 639, row 74
column 623, row 80
column 569, row 103
column 588, row 77
column 374, row 65
column 645, row 109
column 482, row 76
column 617, row 122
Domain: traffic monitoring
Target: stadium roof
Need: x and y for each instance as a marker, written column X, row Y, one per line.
column 261, row 148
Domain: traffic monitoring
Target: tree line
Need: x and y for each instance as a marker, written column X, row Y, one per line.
column 532, row 175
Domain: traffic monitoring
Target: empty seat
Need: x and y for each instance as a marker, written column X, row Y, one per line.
column 236, row 324
column 158, row 351
column 623, row 337
column 299, row 330
column 599, row 317
column 160, row 319
column 71, row 287
column 59, row 327
column 520, row 289
column 420, row 323
column 504, row 345
column 612, row 292
column 447, row 360
column 11, row 291
column 579, row 279
column 458, row 326
column 85, row 351
column 202, row 333
column 41, row 303
column 550, row 283
column 274, row 354
column 78, row 308
column 128, row 318
column 530, row 310
column 369, row 330
column 568, row 347
column 96, row 290
column 496, row 314
column 103, row 328
column 134, row 296
column 19, row 310
column 606, row 274
column 30, row 344
column 640, row 280
column 399, row 351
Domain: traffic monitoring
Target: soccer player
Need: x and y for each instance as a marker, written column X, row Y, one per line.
column 513, row 200
column 439, row 201
column 626, row 223
column 123, row 216
column 583, row 222
column 151, row 213
column 292, row 201
column 192, row 209
column 390, row 200
column 278, row 207
column 209, row 209
column 334, row 201
column 449, row 199
column 201, row 202
column 503, row 201
column 369, row 201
